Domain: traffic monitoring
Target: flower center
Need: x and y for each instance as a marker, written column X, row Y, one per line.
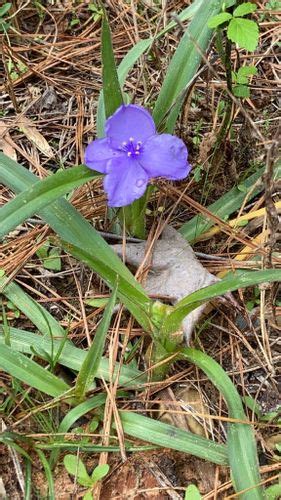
column 132, row 148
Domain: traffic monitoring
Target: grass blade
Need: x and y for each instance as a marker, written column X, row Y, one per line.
column 111, row 89
column 241, row 446
column 29, row 372
column 41, row 194
column 184, row 65
column 88, row 447
column 92, row 361
column 39, row 316
column 72, row 357
column 168, row 436
column 28, row 480
column 48, row 474
column 229, row 284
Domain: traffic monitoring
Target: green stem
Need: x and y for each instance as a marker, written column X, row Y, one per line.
column 133, row 216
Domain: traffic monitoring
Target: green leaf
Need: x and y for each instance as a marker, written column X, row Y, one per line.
column 242, row 80
column 244, row 9
column 48, row 475
column 247, row 71
column 75, row 467
column 29, row 372
column 219, row 19
column 98, row 302
column 244, row 32
column 100, row 472
column 273, row 492
column 229, row 284
column 229, row 3
column 39, row 316
column 241, row 445
column 184, row 66
column 53, row 260
column 4, row 9
column 84, row 242
column 111, row 88
column 123, row 69
column 168, row 436
column 133, row 215
column 253, row 405
column 192, row 493
column 88, row 496
column 92, row 361
column 71, row 356
column 27, row 480
column 40, row 195
column 242, row 91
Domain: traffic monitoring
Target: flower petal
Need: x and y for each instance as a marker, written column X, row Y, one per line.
column 125, row 181
column 98, row 153
column 165, row 156
column 129, row 121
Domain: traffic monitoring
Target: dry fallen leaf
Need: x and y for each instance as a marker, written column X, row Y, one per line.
column 183, row 407
column 6, row 142
column 33, row 135
column 175, row 271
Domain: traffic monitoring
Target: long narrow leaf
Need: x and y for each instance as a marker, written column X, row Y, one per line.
column 184, row 65
column 29, row 372
column 71, row 357
column 169, row 436
column 48, row 474
column 92, row 361
column 229, row 284
column 41, row 194
column 241, row 446
column 111, row 89
column 39, row 316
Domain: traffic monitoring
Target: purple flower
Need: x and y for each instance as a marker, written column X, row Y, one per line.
column 132, row 153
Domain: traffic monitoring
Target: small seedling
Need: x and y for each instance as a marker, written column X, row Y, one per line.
column 197, row 173
column 16, row 70
column 197, row 137
column 243, row 32
column 74, row 21
column 241, row 80
column 95, row 12
column 50, row 256
column 76, row 467
column 255, row 301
